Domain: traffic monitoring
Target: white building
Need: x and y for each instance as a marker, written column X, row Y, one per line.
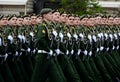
column 16, row 6
column 26, row 6
column 111, row 6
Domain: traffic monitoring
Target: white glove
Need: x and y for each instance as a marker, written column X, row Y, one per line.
column 20, row 37
column 94, row 38
column 107, row 49
column 67, row 52
column 75, row 36
column 111, row 37
column 115, row 35
column 85, row 52
column 106, row 36
column 99, row 35
column 113, row 47
column 90, row 38
column 55, row 33
column 72, row 51
column 79, row 50
column 57, row 51
column 10, row 38
column 31, row 34
column 81, row 36
column 90, row 53
column 16, row 54
column 50, row 53
column 6, row 55
column 34, row 51
column 98, row 49
column 23, row 38
column 69, row 35
column 117, row 47
column 119, row 34
column 101, row 48
column 61, row 36
column 0, row 42
column 28, row 49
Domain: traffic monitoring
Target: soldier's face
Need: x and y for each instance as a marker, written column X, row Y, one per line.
column 26, row 21
column 76, row 20
column 98, row 20
column 71, row 20
column 84, row 20
column 12, row 21
column 63, row 18
column 116, row 21
column 39, row 20
column 4, row 21
column 91, row 21
column 56, row 16
column 48, row 16
column 33, row 19
column 19, row 21
column 110, row 20
column 103, row 21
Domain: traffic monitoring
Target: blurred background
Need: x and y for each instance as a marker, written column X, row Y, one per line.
column 80, row 7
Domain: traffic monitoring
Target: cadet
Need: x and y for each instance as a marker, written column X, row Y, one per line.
column 26, row 56
column 12, row 49
column 39, row 19
column 45, row 65
column 63, row 59
column 21, row 39
column 4, row 68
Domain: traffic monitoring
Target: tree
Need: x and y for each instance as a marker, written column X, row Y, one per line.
column 81, row 7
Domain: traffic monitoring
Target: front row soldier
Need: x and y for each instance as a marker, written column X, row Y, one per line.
column 45, row 65
column 66, row 48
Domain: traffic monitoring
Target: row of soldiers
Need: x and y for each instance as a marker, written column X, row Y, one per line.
column 59, row 47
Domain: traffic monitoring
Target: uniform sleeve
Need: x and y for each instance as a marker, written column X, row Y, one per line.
column 42, row 38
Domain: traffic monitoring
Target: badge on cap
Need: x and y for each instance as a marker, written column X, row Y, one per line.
column 43, row 31
column 35, row 31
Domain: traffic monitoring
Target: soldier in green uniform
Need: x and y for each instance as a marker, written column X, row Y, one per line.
column 39, row 19
column 12, row 49
column 26, row 56
column 98, row 59
column 21, row 39
column 3, row 23
column 56, row 47
column 4, row 68
column 63, row 59
column 32, row 32
column 45, row 65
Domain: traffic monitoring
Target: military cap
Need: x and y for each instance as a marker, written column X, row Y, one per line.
column 55, row 10
column 84, row 16
column 76, row 15
column 45, row 11
column 19, row 16
column 26, row 16
column 14, row 15
column 33, row 14
column 3, row 16
column 110, row 16
column 71, row 15
column 104, row 16
column 63, row 13
column 39, row 15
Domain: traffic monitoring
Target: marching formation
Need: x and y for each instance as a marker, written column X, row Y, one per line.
column 59, row 47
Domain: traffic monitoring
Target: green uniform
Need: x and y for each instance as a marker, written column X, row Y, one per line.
column 45, row 67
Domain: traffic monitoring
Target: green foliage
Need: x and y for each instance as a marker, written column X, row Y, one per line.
column 81, row 7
